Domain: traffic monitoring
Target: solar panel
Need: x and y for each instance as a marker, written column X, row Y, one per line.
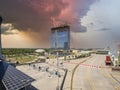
column 14, row 79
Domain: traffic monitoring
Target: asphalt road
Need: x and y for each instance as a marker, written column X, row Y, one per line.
column 94, row 75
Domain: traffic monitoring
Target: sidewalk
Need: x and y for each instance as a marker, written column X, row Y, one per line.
column 44, row 79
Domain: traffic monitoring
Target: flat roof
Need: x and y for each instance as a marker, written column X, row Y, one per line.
column 60, row 27
column 12, row 78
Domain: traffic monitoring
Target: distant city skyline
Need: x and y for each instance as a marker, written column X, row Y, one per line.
column 27, row 24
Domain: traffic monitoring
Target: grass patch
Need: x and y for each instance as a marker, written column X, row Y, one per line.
column 21, row 59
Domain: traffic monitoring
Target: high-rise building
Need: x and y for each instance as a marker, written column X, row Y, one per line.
column 60, row 37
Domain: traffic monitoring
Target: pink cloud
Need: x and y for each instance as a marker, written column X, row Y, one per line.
column 61, row 10
column 35, row 15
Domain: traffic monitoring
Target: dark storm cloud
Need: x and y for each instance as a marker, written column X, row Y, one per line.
column 105, row 29
column 91, row 24
column 30, row 14
column 6, row 29
column 35, row 15
column 77, row 27
column 82, row 7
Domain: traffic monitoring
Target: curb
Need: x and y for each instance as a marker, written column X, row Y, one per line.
column 62, row 84
column 115, row 68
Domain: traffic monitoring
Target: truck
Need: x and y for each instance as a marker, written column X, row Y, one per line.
column 108, row 60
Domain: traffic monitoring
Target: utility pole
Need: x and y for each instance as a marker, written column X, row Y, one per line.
column 57, row 54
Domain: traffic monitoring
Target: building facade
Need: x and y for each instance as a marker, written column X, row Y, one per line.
column 0, row 38
column 60, row 37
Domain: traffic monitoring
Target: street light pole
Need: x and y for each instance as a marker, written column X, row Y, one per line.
column 57, row 54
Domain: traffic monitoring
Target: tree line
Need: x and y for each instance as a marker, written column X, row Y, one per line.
column 14, row 51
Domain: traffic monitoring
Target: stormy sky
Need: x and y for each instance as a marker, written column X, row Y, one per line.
column 27, row 23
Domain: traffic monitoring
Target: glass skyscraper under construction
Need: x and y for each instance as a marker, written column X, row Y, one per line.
column 60, row 37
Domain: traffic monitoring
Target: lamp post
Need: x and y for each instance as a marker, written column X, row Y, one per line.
column 57, row 54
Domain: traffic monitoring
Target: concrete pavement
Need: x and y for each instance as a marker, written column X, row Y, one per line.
column 44, row 80
column 90, row 76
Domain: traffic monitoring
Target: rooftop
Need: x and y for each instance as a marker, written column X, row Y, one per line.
column 60, row 27
column 13, row 79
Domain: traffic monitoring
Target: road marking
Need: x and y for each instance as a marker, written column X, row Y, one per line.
column 116, row 88
column 91, row 66
column 107, row 75
column 72, row 78
column 92, row 85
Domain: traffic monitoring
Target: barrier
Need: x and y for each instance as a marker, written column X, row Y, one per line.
column 62, row 84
